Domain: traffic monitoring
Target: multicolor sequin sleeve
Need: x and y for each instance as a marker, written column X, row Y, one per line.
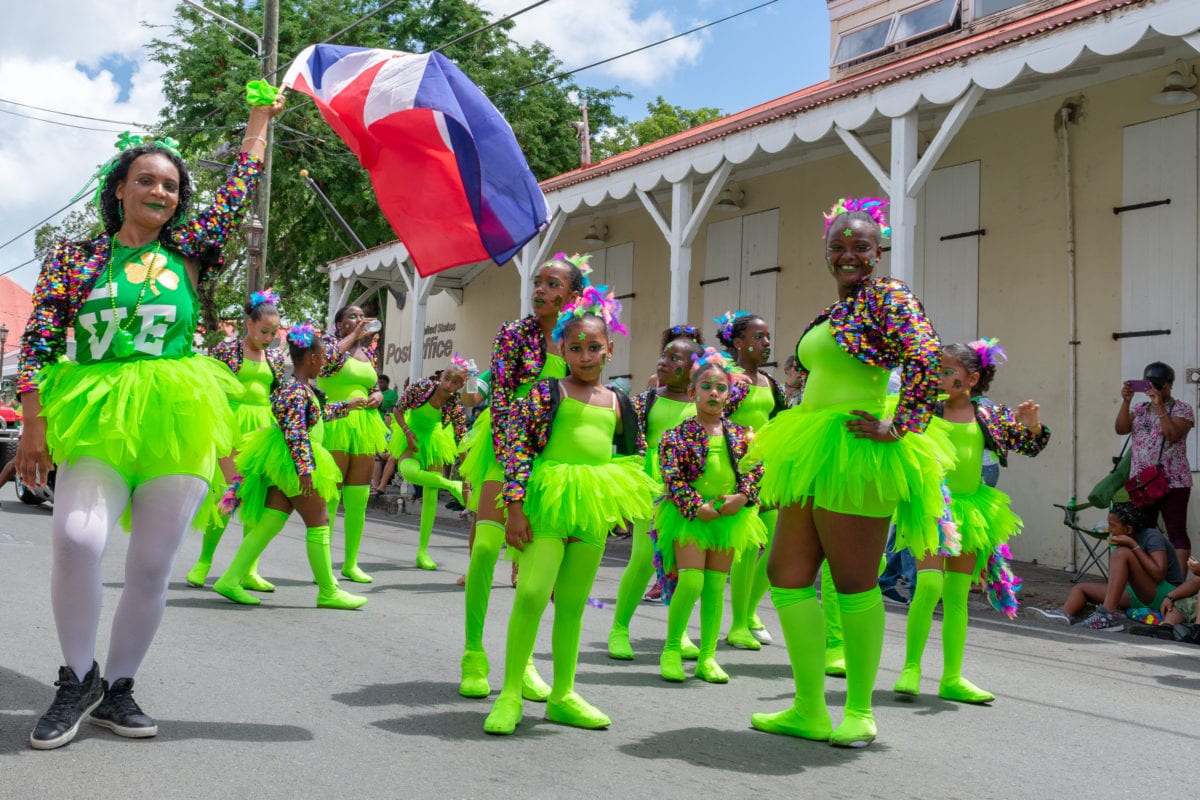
column 682, row 452
column 518, row 355
column 292, row 405
column 739, row 438
column 229, row 353
column 1008, row 433
column 59, row 293
column 416, row 395
column 909, row 331
column 335, row 357
column 336, row 410
column 526, row 434
column 641, row 402
column 454, row 415
column 204, row 236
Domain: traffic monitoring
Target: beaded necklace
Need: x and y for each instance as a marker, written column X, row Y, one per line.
column 123, row 340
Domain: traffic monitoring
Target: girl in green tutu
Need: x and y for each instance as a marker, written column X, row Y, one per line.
column 137, row 421
column 286, row 467
column 982, row 515
column 843, row 464
column 565, row 491
column 258, row 369
column 429, row 423
column 354, row 440
column 658, row 410
column 707, row 515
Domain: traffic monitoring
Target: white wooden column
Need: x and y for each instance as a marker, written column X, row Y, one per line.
column 339, row 293
column 682, row 231
column 418, row 297
column 535, row 253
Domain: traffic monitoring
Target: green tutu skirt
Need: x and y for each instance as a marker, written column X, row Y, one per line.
column 266, row 461
column 741, row 532
column 985, row 519
column 362, row 432
column 479, row 462
column 434, row 450
column 586, row 501
column 250, row 418
column 810, row 456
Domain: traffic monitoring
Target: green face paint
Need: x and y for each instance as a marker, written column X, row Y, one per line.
column 847, row 233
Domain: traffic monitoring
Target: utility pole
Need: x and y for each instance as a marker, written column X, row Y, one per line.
column 269, row 68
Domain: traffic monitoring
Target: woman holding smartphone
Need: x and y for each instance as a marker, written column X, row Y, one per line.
column 1159, row 429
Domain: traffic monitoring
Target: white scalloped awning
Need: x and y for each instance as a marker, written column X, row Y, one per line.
column 889, row 92
column 385, row 263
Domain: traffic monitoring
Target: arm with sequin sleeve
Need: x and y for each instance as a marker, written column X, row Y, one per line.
column 526, row 434
column 45, row 337
column 674, row 454
column 208, row 231
column 908, row 329
column 335, row 356
column 747, row 479
column 338, row 410
column 457, row 417
column 290, row 405
column 1017, row 437
column 505, row 380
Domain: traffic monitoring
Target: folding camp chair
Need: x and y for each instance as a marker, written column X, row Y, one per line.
column 1094, row 542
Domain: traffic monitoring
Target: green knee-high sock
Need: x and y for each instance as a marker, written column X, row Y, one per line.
column 804, row 634
column 954, row 642
column 410, row 470
column 354, row 499
column 636, row 576
column 540, row 562
column 687, row 592
column 830, row 609
column 481, row 570
column 252, row 546
column 576, row 574
column 316, row 542
column 208, row 548
column 741, row 581
column 429, row 504
column 920, row 615
column 862, row 632
column 761, row 583
column 712, row 607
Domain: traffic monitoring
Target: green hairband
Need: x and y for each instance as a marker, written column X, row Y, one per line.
column 125, row 141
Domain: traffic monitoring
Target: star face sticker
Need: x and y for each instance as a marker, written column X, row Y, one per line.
column 847, row 233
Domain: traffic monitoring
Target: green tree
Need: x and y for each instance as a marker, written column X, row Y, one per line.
column 663, row 120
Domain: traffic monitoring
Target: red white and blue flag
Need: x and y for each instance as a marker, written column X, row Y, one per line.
column 447, row 170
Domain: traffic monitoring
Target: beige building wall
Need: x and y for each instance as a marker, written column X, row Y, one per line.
column 1023, row 287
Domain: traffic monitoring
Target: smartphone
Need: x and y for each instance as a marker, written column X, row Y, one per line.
column 1140, row 386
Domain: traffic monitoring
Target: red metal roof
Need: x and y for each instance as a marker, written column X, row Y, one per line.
column 16, row 305
column 826, row 91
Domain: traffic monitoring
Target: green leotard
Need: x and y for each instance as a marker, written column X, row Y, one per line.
column 717, row 477
column 435, row 440
column 482, row 456
column 664, row 415
column 756, row 408
column 966, row 474
column 362, row 432
column 253, row 406
column 836, row 378
column 356, row 378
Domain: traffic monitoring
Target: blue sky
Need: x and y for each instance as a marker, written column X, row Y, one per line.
column 734, row 65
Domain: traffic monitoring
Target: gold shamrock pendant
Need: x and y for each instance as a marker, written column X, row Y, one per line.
column 154, row 266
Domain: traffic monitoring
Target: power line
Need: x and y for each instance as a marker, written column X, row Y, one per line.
column 18, row 266
column 36, row 225
column 688, row 32
column 490, row 25
column 56, row 122
column 76, row 116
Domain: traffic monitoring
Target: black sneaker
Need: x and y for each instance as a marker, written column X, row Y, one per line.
column 75, row 698
column 120, row 713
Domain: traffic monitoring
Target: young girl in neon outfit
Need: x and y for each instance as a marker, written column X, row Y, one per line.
column 658, row 410
column 285, row 467
column 524, row 352
column 707, row 515
column 430, row 422
column 755, row 398
column 982, row 515
column 258, row 369
column 354, row 440
column 839, row 469
column 565, row 492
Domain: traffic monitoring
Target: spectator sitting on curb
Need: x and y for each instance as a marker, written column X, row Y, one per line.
column 1142, row 570
column 1179, row 606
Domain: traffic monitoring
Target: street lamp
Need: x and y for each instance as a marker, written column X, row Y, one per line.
column 3, row 339
column 254, row 249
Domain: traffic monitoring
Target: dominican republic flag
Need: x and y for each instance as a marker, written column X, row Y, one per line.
column 446, row 168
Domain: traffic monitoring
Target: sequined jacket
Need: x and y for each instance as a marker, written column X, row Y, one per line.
column 683, row 452
column 296, row 411
column 71, row 269
column 529, row 426
column 418, row 394
column 741, row 390
column 232, row 353
column 883, row 324
column 1002, row 431
column 335, row 357
column 518, row 355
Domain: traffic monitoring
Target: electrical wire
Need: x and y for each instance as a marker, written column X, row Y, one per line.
column 490, row 25
column 75, row 116
column 56, row 122
column 35, row 225
column 18, row 266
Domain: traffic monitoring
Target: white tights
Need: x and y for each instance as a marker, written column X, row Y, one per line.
column 89, row 498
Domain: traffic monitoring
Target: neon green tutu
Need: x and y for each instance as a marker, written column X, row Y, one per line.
column 362, row 432
column 266, row 461
column 741, row 532
column 479, row 462
column 434, row 450
column 809, row 455
column 985, row 519
column 586, row 501
column 249, row 418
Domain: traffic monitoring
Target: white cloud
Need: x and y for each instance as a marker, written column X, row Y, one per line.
column 41, row 44
column 583, row 31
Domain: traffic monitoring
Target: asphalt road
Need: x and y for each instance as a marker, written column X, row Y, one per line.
column 286, row 700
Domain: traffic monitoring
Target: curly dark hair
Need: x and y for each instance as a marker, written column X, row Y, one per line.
column 110, row 206
column 1129, row 514
column 256, row 313
column 970, row 359
column 298, row 351
column 576, row 275
column 736, row 330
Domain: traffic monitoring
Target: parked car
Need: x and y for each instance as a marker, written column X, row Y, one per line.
column 10, row 434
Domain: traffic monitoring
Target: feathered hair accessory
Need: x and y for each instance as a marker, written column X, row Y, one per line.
column 580, row 262
column 265, row 297
column 597, row 301
column 726, row 320
column 230, row 500
column 991, row 354
column 711, row 357
column 458, row 361
column 302, row 335
column 871, row 206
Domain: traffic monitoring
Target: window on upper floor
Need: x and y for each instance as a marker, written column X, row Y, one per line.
column 865, row 41
column 924, row 20
column 983, row 8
